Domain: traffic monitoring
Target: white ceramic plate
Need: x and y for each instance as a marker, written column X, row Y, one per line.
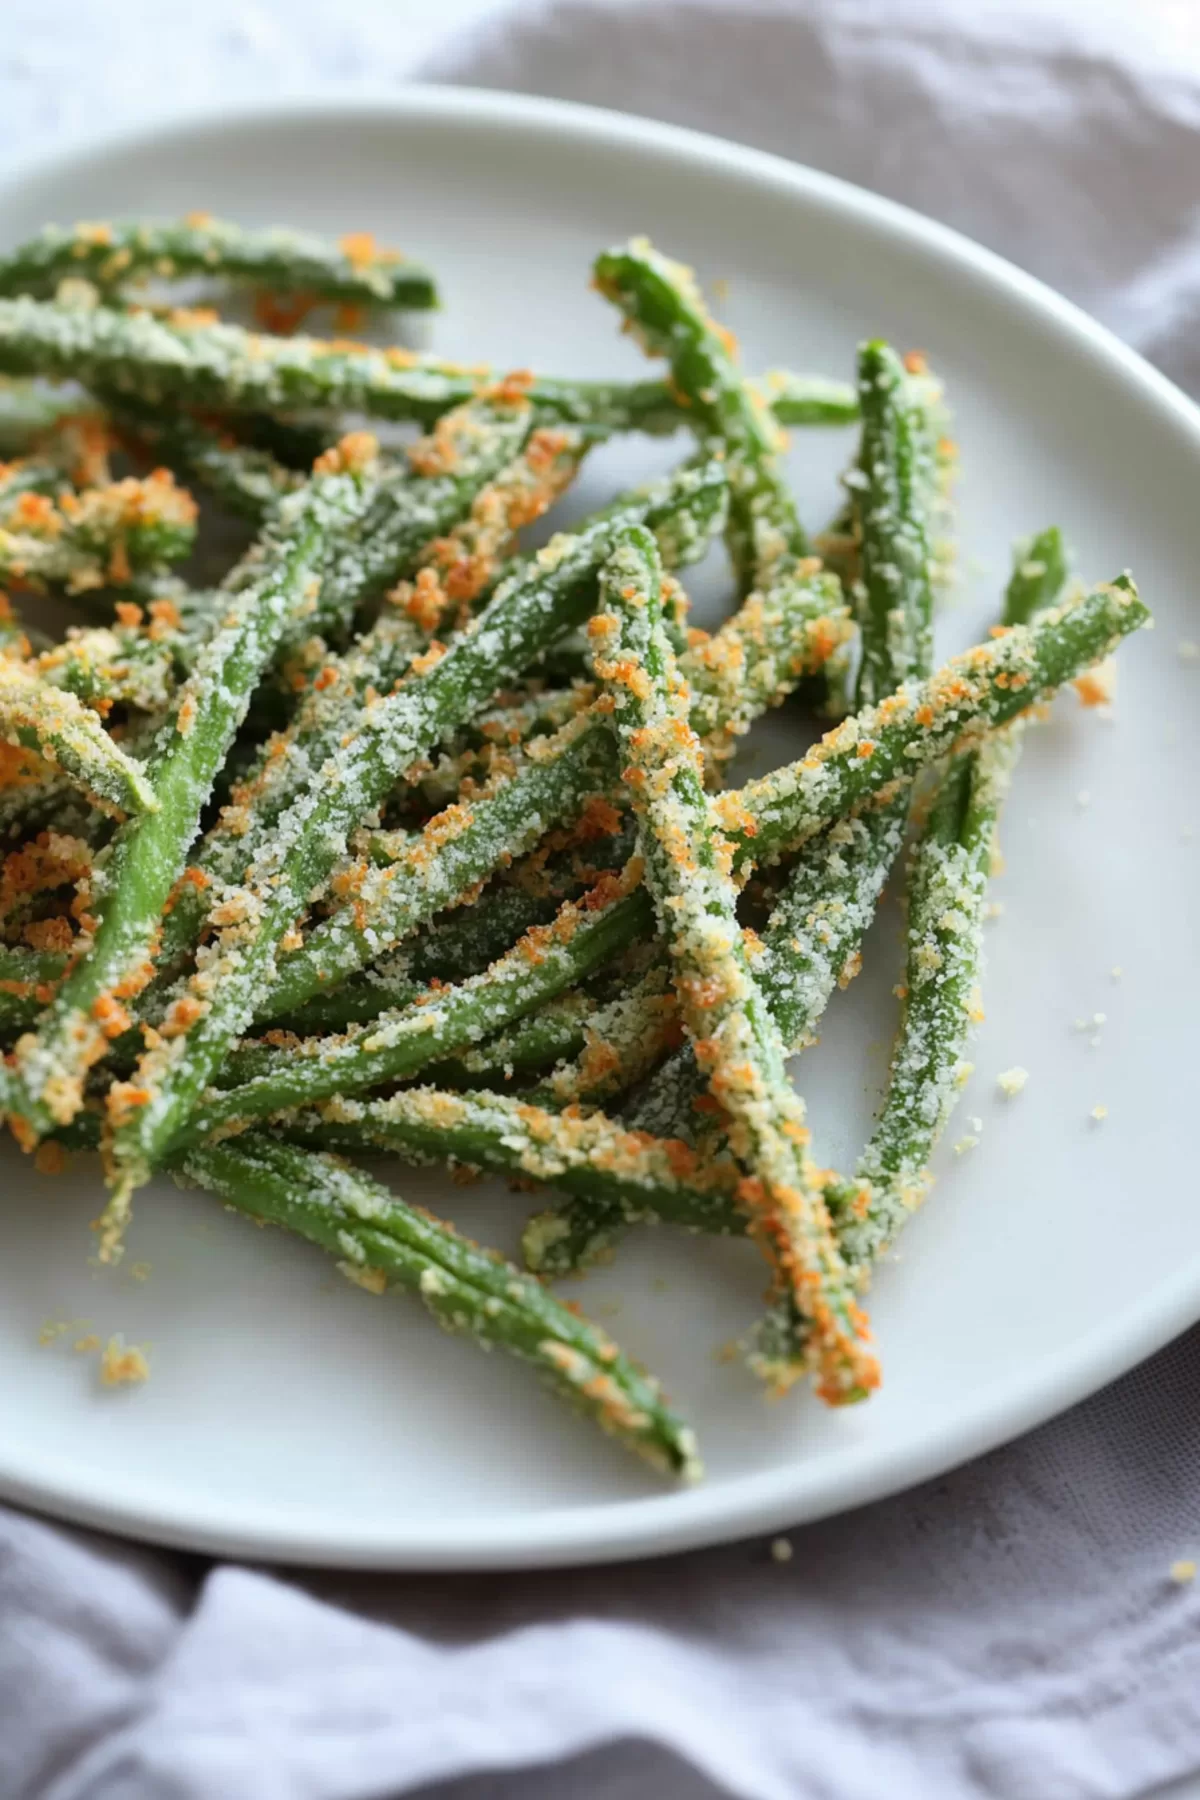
column 291, row 1416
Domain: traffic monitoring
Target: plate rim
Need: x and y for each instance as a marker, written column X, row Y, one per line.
column 766, row 1500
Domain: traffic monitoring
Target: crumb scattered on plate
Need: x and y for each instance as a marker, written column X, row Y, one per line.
column 122, row 1364
column 1099, row 1112
column 1011, row 1081
column 1183, row 1571
column 781, row 1551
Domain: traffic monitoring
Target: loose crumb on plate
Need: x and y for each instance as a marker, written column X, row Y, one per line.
column 1099, row 1112
column 123, row 1365
column 781, row 1551
column 1011, row 1081
column 1183, row 1571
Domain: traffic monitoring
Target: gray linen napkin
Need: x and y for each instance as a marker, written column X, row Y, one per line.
column 1013, row 1630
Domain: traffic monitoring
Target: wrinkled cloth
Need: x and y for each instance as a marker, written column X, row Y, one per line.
column 1012, row 1630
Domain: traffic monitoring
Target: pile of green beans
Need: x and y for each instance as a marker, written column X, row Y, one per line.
column 409, row 837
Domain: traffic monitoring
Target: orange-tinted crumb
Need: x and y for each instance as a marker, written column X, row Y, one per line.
column 122, row 1365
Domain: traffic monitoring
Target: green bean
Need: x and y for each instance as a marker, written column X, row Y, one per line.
column 945, row 932
column 805, row 399
column 105, row 534
column 383, row 1243
column 823, row 911
column 794, row 618
column 526, row 612
column 862, row 758
column 579, row 1152
column 476, row 750
column 665, row 310
column 758, row 656
column 810, row 945
column 735, row 1039
column 890, row 489
column 27, row 982
column 618, row 1044
column 441, row 1021
column 69, row 736
column 248, row 480
column 1040, row 568
column 110, row 255
column 423, row 497
column 946, row 896
column 38, row 799
column 224, row 368
column 114, row 665
column 558, row 1030
column 459, row 943
column 270, row 586
column 461, row 846
column 459, row 566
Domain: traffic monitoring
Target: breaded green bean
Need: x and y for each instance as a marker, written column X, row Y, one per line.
column 946, row 896
column 580, row 1152
column 225, row 368
column 862, row 759
column 687, row 869
column 382, row 1243
column 102, row 536
column 69, row 736
column 112, row 254
column 665, row 310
